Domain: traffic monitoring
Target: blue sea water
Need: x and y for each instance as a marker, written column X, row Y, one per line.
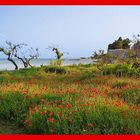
column 7, row 65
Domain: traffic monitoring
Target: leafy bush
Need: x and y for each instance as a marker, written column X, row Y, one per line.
column 55, row 69
column 85, row 65
column 120, row 70
column 56, row 62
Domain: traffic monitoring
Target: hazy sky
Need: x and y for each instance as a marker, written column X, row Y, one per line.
column 78, row 30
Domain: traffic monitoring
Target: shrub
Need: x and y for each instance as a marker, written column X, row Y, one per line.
column 55, row 69
column 56, row 62
column 120, row 70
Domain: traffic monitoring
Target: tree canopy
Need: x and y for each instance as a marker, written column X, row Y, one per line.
column 120, row 44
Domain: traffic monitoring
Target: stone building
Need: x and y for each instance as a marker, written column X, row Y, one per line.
column 119, row 53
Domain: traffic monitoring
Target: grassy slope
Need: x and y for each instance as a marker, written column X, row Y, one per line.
column 79, row 101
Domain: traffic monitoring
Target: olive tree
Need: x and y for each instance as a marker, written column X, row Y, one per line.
column 26, row 55
column 19, row 51
column 9, row 50
column 58, row 54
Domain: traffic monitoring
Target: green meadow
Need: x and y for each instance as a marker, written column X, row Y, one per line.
column 76, row 99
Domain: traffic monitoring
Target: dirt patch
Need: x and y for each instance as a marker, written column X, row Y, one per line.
column 7, row 128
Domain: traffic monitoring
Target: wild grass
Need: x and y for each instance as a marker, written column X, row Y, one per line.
column 79, row 101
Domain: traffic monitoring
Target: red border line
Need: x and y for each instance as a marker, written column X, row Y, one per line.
column 69, row 2
column 73, row 3
column 67, row 137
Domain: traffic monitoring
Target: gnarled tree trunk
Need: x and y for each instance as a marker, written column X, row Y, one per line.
column 16, row 66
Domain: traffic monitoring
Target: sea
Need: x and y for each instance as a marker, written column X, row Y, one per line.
column 7, row 65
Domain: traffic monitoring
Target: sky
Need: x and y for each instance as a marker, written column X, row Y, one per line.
column 79, row 30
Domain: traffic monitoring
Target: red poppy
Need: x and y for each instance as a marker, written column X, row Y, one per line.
column 26, row 121
column 50, row 120
column 89, row 124
column 50, row 114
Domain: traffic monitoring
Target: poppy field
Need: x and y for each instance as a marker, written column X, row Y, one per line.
column 80, row 101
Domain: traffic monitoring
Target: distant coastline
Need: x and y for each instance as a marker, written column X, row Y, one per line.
column 71, row 58
column 6, row 65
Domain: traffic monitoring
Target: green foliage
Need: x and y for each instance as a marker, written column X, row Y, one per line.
column 100, row 121
column 13, row 107
column 104, row 58
column 120, row 44
column 119, row 84
column 71, row 103
column 59, row 55
column 136, row 65
column 120, row 70
column 56, row 62
column 98, row 55
column 55, row 69
column 130, row 96
column 85, row 65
